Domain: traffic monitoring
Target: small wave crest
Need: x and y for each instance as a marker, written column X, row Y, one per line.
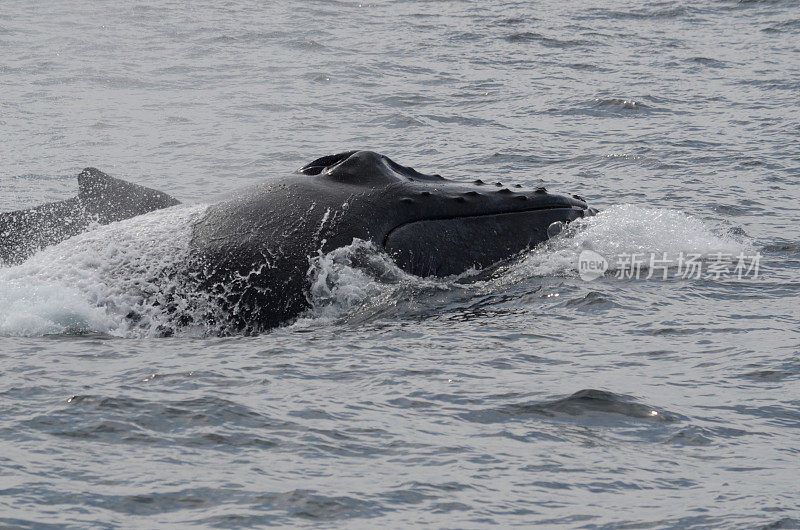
column 584, row 402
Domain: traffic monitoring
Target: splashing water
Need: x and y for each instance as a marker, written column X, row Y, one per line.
column 346, row 278
column 100, row 281
column 351, row 276
column 627, row 229
column 119, row 279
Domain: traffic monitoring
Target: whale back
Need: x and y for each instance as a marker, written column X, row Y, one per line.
column 101, row 199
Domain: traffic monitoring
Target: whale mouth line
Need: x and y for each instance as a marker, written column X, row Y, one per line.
column 576, row 212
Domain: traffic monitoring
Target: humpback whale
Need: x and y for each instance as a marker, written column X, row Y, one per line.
column 250, row 253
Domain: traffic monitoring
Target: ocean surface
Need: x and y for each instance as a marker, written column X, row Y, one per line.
column 525, row 396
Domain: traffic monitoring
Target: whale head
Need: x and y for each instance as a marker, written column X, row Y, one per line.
column 431, row 225
column 254, row 250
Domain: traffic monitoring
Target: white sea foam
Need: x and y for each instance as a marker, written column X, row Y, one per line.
column 350, row 276
column 97, row 280
column 628, row 229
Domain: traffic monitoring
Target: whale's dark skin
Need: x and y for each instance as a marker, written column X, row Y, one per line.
column 250, row 254
column 253, row 250
column 101, row 199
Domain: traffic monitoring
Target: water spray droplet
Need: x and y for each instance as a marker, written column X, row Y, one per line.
column 554, row 229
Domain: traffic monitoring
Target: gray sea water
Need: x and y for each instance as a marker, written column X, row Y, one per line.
column 526, row 397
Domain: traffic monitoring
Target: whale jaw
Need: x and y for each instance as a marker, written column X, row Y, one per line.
column 445, row 247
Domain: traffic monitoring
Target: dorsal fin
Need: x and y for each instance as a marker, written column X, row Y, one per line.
column 101, row 199
column 112, row 199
